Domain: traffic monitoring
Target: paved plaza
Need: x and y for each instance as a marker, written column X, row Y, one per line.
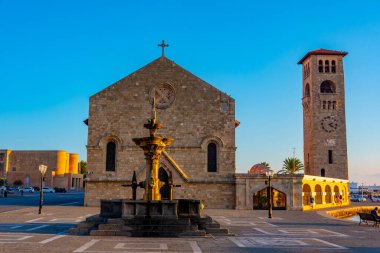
column 23, row 230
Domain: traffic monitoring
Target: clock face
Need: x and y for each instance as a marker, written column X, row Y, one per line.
column 164, row 94
column 329, row 124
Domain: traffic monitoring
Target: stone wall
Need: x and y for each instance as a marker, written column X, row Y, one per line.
column 248, row 184
column 24, row 164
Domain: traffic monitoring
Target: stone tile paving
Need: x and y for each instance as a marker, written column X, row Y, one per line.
column 24, row 230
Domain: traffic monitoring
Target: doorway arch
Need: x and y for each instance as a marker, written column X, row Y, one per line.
column 306, row 190
column 164, row 177
column 260, row 199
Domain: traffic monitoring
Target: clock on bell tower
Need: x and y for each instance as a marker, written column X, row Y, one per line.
column 324, row 119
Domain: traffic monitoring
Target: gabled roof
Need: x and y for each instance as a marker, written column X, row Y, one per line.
column 163, row 62
column 322, row 52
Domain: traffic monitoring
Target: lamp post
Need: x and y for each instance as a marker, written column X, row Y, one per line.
column 269, row 174
column 42, row 169
column 362, row 190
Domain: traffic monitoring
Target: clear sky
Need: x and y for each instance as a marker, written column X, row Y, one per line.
column 55, row 54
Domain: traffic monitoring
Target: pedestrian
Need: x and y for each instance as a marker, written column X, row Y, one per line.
column 374, row 212
column 312, row 202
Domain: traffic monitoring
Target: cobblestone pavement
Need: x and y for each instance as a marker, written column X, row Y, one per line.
column 23, row 230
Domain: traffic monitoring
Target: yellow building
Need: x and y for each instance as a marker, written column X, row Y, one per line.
column 62, row 168
column 326, row 192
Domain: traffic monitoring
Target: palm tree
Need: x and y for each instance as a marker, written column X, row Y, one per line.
column 266, row 164
column 291, row 165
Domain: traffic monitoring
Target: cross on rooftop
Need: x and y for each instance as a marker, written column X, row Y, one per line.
column 163, row 45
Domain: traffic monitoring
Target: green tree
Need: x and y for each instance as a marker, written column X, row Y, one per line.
column 3, row 181
column 291, row 165
column 18, row 182
column 82, row 167
column 266, row 164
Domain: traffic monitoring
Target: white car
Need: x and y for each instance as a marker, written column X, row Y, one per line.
column 48, row 190
column 358, row 198
column 27, row 189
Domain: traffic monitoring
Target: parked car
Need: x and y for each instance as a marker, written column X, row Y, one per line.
column 358, row 198
column 27, row 189
column 48, row 190
column 10, row 190
column 59, row 189
column 36, row 188
column 376, row 198
column 14, row 188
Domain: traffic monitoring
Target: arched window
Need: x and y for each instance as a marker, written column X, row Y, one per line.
column 327, row 87
column 307, row 90
column 328, row 194
column 320, row 66
column 211, row 157
column 333, row 67
column 327, row 66
column 318, row 194
column 111, row 156
column 323, row 172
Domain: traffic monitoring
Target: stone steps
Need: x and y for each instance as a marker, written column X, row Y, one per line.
column 212, row 225
column 142, row 227
column 109, row 233
column 217, row 231
column 111, row 226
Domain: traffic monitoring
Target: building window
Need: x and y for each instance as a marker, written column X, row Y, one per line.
column 327, row 67
column 14, row 169
column 320, row 66
column 333, row 67
column 334, row 105
column 329, row 105
column 307, row 90
column 323, row 173
column 330, row 156
column 324, row 105
column 327, row 87
column 111, row 156
column 211, row 157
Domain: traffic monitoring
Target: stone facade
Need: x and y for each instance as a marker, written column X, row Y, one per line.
column 23, row 165
column 192, row 111
column 325, row 146
column 248, row 184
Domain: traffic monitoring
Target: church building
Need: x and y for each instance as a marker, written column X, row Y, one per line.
column 199, row 117
column 201, row 120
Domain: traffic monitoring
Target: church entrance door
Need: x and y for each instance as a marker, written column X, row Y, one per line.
column 163, row 176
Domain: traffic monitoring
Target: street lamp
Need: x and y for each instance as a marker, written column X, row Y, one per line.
column 42, row 169
column 269, row 174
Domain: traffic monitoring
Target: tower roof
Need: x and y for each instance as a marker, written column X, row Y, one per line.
column 322, row 52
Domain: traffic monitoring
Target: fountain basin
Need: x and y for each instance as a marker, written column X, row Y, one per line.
column 165, row 209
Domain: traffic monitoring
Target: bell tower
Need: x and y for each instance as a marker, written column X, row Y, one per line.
column 324, row 117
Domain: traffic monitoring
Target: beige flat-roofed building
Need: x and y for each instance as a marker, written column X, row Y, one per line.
column 62, row 168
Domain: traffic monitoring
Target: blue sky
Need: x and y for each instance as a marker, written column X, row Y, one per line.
column 55, row 54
